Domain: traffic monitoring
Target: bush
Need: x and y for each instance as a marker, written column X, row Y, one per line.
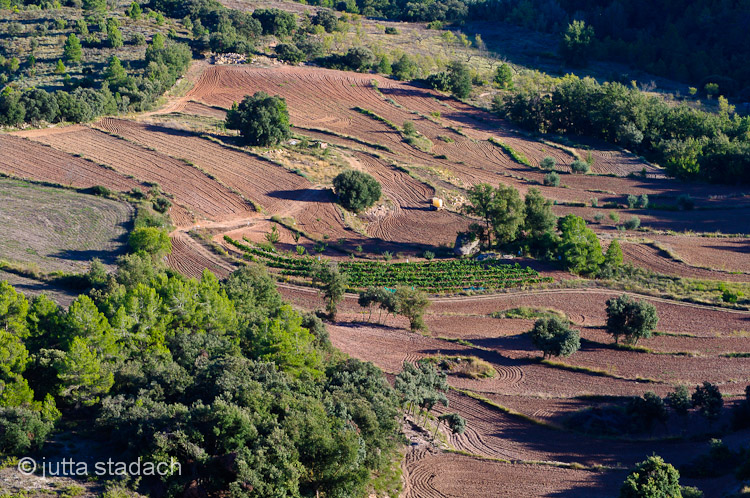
column 409, row 129
column 356, row 190
column 289, row 52
column 548, row 163
column 504, row 77
column 261, row 119
column 632, row 201
column 152, row 240
column 22, row 430
column 101, row 191
column 679, row 400
column 405, row 68
column 685, row 202
column 391, row 30
column 652, row 478
column 579, row 166
column 707, row 398
column 358, row 59
column 632, row 223
column 459, row 79
column 552, row 179
column 327, row 19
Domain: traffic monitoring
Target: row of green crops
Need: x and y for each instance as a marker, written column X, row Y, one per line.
column 453, row 275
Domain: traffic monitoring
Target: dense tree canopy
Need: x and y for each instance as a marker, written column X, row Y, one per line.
column 631, row 319
column 261, row 119
column 356, row 190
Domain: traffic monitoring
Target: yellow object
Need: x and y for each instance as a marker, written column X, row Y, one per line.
column 437, row 203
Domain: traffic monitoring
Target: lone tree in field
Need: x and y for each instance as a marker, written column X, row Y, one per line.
column 261, row 119
column 652, row 478
column 629, row 318
column 456, row 423
column 356, row 190
column 554, row 338
column 412, row 303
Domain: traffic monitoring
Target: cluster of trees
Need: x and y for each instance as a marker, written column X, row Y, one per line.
column 405, row 10
column 119, row 92
column 262, row 120
column 688, row 142
column 529, row 225
column 455, row 79
column 656, row 36
column 408, row 302
column 225, row 377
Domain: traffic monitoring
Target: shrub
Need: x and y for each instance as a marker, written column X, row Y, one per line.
column 409, row 129
column 632, row 201
column 261, row 119
column 548, row 163
column 707, row 398
column 579, row 166
column 614, row 217
column 552, row 179
column 679, row 400
column 101, row 191
column 504, row 76
column 459, row 79
column 598, row 217
column 652, row 478
column 358, row 59
column 356, row 190
column 152, row 240
column 428, row 255
column 22, row 430
column 288, row 52
column 633, row 223
column 162, row 204
column 327, row 19
column 643, row 201
column 391, row 30
column 405, row 68
column 685, row 202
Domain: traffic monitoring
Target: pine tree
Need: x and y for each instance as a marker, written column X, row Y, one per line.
column 82, row 374
column 72, row 49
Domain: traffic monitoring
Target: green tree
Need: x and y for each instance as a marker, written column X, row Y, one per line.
column 356, row 190
column 60, row 67
column 679, row 400
column 553, row 337
column 261, row 119
column 501, row 209
column 405, row 68
column 652, row 478
column 358, row 59
column 707, row 398
column 459, row 79
column 580, row 250
column 613, row 257
column 412, row 304
column 288, row 52
column 134, row 11
column 72, row 48
column 631, row 319
column 334, row 286
column 83, row 375
column 152, row 240
column 504, row 77
column 576, row 43
column 538, row 216
column 95, row 6
column 114, row 37
column 115, row 73
column 456, row 423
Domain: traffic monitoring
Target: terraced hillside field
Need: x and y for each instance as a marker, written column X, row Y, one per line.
column 52, row 229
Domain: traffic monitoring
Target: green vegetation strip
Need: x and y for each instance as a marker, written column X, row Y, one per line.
column 597, row 372
column 517, row 156
column 430, row 276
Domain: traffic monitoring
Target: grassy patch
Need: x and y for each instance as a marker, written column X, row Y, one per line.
column 529, row 313
column 517, row 156
column 465, row 366
column 594, row 371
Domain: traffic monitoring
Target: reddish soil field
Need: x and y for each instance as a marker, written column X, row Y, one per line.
column 191, row 188
column 654, row 259
column 190, row 258
column 29, row 160
column 451, row 475
column 728, row 254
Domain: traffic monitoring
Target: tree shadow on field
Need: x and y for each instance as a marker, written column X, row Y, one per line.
column 305, row 195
